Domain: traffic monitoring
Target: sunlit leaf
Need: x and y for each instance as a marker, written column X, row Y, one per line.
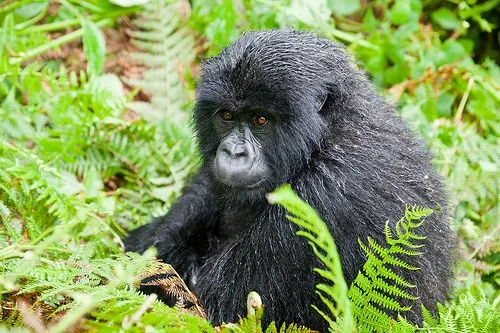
column 343, row 7
column 309, row 12
column 446, row 18
column 129, row 3
column 370, row 22
column 31, row 9
column 400, row 11
column 444, row 104
column 92, row 183
column 94, row 47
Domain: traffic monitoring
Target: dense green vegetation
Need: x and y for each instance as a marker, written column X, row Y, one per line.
column 95, row 100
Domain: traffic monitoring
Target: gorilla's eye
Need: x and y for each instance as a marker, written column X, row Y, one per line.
column 258, row 121
column 225, row 115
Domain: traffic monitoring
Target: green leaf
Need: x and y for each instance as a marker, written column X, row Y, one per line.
column 94, row 47
column 452, row 51
column 343, row 7
column 405, row 31
column 163, row 193
column 65, row 183
column 400, row 11
column 310, row 12
column 107, row 204
column 446, row 19
column 107, row 95
column 444, row 104
column 482, row 106
column 395, row 74
column 395, row 53
column 92, row 183
column 370, row 22
column 467, row 44
column 31, row 9
column 323, row 245
column 129, row 3
column 7, row 32
column 429, row 108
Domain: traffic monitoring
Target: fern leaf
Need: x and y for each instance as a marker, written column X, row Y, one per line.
column 393, row 290
column 428, row 318
column 378, row 289
column 168, row 49
column 316, row 232
column 396, row 249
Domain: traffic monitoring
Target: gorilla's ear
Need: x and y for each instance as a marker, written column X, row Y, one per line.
column 321, row 100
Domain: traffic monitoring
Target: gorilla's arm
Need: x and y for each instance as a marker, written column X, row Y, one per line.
column 267, row 258
column 182, row 235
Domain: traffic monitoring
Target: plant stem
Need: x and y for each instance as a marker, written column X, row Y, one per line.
column 54, row 26
column 351, row 38
column 56, row 42
column 13, row 5
column 33, row 20
column 463, row 101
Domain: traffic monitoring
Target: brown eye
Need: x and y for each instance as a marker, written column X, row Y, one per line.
column 258, row 121
column 225, row 115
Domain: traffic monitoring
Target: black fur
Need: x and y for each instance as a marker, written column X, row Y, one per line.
column 343, row 150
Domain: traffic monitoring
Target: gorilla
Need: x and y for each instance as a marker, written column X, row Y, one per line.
column 283, row 106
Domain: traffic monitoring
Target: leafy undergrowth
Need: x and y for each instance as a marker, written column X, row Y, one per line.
column 95, row 139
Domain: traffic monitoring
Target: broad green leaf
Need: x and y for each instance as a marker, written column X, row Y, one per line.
column 31, row 9
column 415, row 10
column 107, row 95
column 7, row 32
column 400, row 12
column 92, row 183
column 467, row 44
column 406, row 30
column 107, row 204
column 65, row 183
column 311, row 12
column 446, row 135
column 452, row 51
column 446, row 18
column 488, row 166
column 164, row 193
column 370, row 22
column 444, row 104
column 343, row 7
column 129, row 3
column 429, row 108
column 94, row 47
column 482, row 106
column 395, row 53
column 395, row 74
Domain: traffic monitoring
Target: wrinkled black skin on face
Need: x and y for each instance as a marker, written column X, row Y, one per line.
column 238, row 161
column 339, row 145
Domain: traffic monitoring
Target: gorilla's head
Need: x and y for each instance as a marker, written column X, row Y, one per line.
column 264, row 105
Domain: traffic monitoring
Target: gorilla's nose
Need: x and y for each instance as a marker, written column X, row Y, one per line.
column 236, row 151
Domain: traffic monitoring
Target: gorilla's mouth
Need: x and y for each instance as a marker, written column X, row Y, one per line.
column 242, row 186
column 240, row 177
column 254, row 185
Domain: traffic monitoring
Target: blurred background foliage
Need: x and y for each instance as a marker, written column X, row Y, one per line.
column 95, row 137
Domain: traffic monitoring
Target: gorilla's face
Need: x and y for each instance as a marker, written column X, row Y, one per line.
column 258, row 115
column 256, row 143
column 239, row 160
column 241, row 139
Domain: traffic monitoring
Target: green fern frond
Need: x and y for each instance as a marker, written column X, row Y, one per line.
column 470, row 311
column 378, row 288
column 334, row 294
column 4, row 210
column 253, row 323
column 168, row 49
column 428, row 318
